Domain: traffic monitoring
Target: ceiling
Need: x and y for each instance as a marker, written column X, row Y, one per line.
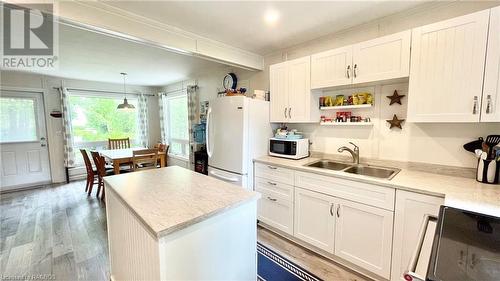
column 241, row 23
column 92, row 56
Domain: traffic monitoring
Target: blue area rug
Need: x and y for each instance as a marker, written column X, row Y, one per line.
column 274, row 267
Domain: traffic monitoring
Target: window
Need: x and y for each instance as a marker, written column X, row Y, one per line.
column 17, row 120
column 177, row 127
column 94, row 119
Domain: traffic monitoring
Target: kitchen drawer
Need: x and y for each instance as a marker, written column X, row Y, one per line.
column 374, row 195
column 274, row 173
column 275, row 188
column 276, row 212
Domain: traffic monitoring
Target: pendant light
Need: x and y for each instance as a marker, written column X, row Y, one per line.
column 125, row 105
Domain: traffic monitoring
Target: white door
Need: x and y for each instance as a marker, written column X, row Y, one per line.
column 23, row 144
column 299, row 89
column 409, row 214
column 490, row 110
column 363, row 236
column 383, row 58
column 314, row 218
column 225, row 134
column 447, row 69
column 275, row 210
column 278, row 79
column 331, row 68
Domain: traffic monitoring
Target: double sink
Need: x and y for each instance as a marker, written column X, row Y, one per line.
column 357, row 169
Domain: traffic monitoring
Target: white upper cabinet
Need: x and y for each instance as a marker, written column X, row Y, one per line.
column 331, row 68
column 490, row 109
column 290, row 86
column 299, row 89
column 314, row 218
column 382, row 58
column 278, row 80
column 363, row 236
column 447, row 69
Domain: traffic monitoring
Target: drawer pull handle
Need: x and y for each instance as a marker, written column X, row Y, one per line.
column 271, row 183
column 331, row 209
column 272, row 167
column 272, row 199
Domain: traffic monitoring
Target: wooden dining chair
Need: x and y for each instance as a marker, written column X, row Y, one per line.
column 118, row 143
column 91, row 173
column 100, row 164
column 144, row 159
column 162, row 148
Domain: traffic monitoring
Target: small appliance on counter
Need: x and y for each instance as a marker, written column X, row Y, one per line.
column 289, row 148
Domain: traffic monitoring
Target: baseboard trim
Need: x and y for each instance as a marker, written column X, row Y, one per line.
column 25, row 187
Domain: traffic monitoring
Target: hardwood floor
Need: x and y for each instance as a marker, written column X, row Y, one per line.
column 58, row 233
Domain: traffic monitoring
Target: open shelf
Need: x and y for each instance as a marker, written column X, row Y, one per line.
column 346, row 107
column 346, row 123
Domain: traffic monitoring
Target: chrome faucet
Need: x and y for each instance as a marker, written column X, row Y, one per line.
column 354, row 153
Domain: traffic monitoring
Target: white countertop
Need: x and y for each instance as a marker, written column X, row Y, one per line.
column 172, row 198
column 459, row 192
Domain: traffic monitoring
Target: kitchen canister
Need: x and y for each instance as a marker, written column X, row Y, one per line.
column 488, row 171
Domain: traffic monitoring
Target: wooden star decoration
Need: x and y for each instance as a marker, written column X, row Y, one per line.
column 395, row 98
column 395, row 122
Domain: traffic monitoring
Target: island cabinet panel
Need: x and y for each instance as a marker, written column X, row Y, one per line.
column 363, row 236
column 377, row 196
column 383, row 58
column 447, row 69
column 133, row 251
column 409, row 214
column 314, row 218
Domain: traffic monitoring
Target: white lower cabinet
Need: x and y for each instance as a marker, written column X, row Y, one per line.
column 276, row 212
column 410, row 211
column 314, row 218
column 363, row 236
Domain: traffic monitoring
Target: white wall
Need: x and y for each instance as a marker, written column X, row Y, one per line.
column 429, row 143
column 52, row 102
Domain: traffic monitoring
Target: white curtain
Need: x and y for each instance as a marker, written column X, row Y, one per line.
column 161, row 102
column 142, row 108
column 69, row 153
column 193, row 115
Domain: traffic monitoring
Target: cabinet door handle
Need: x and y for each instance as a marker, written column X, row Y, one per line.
column 331, row 210
column 272, row 199
column 474, row 107
column 348, row 70
column 290, row 112
column 355, row 70
column 488, row 104
column 271, row 183
column 338, row 211
column 285, row 112
column 272, row 167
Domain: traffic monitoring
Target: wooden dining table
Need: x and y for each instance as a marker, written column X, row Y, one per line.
column 124, row 156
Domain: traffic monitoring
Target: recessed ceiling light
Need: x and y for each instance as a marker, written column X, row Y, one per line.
column 271, row 17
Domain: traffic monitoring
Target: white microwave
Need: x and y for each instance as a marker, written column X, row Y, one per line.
column 292, row 149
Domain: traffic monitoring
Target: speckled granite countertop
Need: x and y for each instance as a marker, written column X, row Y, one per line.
column 459, row 192
column 169, row 199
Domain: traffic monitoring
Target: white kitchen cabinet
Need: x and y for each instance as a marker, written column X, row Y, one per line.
column 314, row 218
column 447, row 69
column 290, row 86
column 276, row 211
column 363, row 236
column 490, row 109
column 331, row 68
column 409, row 214
column 278, row 79
column 383, row 58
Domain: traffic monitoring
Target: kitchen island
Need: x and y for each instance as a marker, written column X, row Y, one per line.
column 174, row 224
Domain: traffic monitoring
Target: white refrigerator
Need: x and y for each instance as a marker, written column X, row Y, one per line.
column 238, row 130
